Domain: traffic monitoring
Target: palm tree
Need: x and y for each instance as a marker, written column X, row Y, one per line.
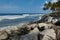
column 47, row 6
column 52, row 6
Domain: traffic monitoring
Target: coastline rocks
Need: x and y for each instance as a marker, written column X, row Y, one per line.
column 14, row 33
column 57, row 23
column 39, row 30
column 47, row 31
column 3, row 35
column 31, row 36
column 50, row 18
column 49, row 34
column 25, row 29
column 26, row 33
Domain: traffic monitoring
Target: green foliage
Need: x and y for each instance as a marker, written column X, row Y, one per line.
column 51, row 6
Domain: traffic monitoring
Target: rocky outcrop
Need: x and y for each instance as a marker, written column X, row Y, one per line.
column 53, row 18
column 50, row 18
column 48, row 31
column 15, row 33
column 43, row 29
column 3, row 35
column 29, row 32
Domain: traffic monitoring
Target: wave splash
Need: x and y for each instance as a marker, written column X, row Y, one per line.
column 16, row 16
column 12, row 20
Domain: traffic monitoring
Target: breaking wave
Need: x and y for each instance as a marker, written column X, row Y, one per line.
column 12, row 20
column 12, row 17
column 16, row 16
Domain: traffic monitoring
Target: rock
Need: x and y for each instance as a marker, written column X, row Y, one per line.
column 51, row 18
column 3, row 35
column 39, row 30
column 44, row 26
column 48, row 34
column 57, row 23
column 57, row 32
column 15, row 33
column 31, row 36
column 48, row 31
column 15, row 30
column 25, row 29
column 32, row 26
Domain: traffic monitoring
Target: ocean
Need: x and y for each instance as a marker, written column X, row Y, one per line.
column 15, row 19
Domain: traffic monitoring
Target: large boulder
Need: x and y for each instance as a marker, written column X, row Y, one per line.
column 57, row 23
column 3, row 35
column 47, row 30
column 31, row 36
column 50, row 18
column 15, row 32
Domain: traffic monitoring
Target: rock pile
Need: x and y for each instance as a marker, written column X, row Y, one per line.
column 47, row 28
column 11, row 33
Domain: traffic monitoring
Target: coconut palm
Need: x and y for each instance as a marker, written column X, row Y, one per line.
column 52, row 6
column 47, row 5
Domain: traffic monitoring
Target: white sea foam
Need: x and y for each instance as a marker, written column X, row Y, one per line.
column 11, row 20
column 11, row 27
column 12, row 16
column 16, row 16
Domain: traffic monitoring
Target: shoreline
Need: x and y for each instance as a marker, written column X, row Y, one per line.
column 25, row 29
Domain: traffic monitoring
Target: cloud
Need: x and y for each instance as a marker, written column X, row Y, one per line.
column 46, row 1
column 54, row 0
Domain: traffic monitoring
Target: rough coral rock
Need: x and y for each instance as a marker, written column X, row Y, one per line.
column 48, row 32
column 3, row 35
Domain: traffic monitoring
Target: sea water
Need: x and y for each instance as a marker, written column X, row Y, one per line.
column 15, row 19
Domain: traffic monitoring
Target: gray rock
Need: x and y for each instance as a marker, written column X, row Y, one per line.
column 3, row 35
column 48, row 32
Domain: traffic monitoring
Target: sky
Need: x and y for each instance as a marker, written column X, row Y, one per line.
column 23, row 6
